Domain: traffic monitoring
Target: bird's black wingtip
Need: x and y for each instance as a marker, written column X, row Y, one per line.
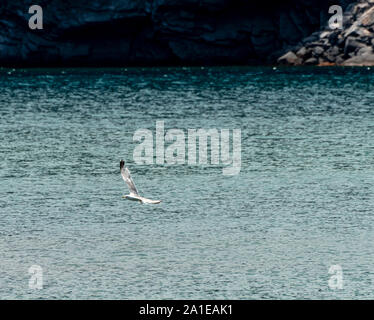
column 121, row 164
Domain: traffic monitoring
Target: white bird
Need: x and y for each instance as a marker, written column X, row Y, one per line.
column 134, row 194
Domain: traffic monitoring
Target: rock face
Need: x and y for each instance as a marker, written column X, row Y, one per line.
column 126, row 32
column 351, row 46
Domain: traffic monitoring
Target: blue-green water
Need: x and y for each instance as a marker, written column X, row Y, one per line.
column 302, row 202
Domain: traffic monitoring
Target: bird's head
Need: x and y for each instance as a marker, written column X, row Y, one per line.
column 121, row 164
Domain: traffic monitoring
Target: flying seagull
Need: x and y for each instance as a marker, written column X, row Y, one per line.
column 134, row 194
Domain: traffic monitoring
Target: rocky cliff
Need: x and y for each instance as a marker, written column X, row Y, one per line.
column 125, row 32
column 351, row 46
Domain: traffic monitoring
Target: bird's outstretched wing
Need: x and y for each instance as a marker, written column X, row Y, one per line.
column 149, row 201
column 127, row 177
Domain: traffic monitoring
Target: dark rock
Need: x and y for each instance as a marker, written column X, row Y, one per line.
column 352, row 45
column 332, row 53
column 317, row 51
column 123, row 32
column 333, row 38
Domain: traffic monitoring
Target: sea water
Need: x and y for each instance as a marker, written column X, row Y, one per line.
column 301, row 203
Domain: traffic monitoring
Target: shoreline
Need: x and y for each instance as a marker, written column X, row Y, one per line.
column 181, row 67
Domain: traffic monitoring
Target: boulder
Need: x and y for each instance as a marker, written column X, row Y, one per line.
column 311, row 61
column 301, row 52
column 367, row 19
column 352, row 45
column 317, row 51
column 359, row 61
column 289, row 58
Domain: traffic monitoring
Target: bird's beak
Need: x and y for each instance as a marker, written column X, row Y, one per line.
column 124, row 197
